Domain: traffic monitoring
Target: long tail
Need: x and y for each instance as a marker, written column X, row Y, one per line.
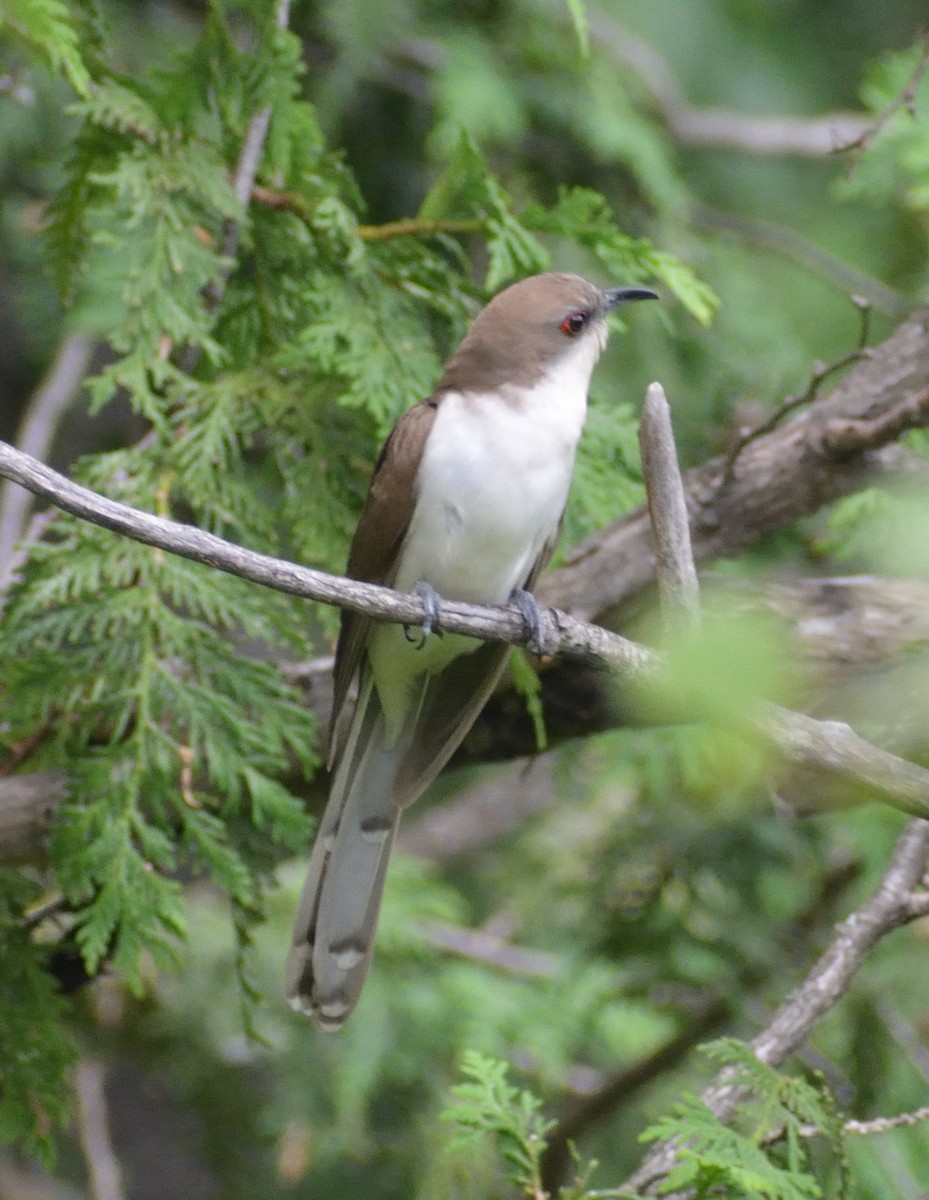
column 334, row 929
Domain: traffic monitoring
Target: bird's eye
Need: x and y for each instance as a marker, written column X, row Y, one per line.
column 574, row 323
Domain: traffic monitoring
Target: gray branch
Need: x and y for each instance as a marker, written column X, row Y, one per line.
column 895, row 902
column 667, row 510
column 799, row 739
column 37, row 428
column 830, row 449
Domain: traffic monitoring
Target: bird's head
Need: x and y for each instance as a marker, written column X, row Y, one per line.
column 534, row 326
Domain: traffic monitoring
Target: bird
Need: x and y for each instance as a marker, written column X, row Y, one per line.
column 465, row 503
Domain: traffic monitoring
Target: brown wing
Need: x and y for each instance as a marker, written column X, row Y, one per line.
column 381, row 529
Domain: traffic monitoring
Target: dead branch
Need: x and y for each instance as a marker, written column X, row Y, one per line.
column 667, row 509
column 896, row 900
column 103, row 1170
column 787, row 474
column 36, row 430
column 797, row 738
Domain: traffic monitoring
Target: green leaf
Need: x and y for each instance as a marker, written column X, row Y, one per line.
column 48, row 26
column 36, row 1044
column 578, row 14
column 489, row 1106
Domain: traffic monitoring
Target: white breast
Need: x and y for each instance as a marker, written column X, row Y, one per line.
column 493, row 484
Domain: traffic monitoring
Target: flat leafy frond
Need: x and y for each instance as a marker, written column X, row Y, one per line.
column 36, row 1046
column 48, row 26
column 487, row 1105
column 584, row 216
column 765, row 1153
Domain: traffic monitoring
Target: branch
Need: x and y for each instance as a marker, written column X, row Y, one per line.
column 906, row 99
column 667, row 510
column 243, row 182
column 894, row 903
column 36, row 430
column 711, row 1012
column 100, row 1159
column 787, row 474
column 799, row 739
column 568, row 636
column 812, row 137
column 405, row 227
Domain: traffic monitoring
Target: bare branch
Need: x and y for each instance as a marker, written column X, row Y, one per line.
column 103, row 1169
column 801, row 740
column 844, row 437
column 888, row 907
column 667, row 508
column 597, row 646
column 36, row 430
column 834, row 747
column 886, row 1124
column 787, row 474
column 243, row 182
column 820, row 373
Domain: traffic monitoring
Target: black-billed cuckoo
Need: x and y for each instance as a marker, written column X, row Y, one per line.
column 465, row 502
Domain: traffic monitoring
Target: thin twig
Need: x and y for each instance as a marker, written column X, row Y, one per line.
column 243, row 182
column 36, row 431
column 906, row 98
column 419, row 227
column 103, row 1170
column 800, row 740
column 886, row 1124
column 280, row 201
column 820, row 373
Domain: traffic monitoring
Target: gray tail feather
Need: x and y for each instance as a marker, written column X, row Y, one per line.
column 334, row 930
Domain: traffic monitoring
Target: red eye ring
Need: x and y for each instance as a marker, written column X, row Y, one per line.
column 573, row 323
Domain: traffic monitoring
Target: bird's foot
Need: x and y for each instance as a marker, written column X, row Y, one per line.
column 532, row 616
column 431, row 612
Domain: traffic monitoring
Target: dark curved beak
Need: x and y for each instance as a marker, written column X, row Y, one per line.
column 620, row 295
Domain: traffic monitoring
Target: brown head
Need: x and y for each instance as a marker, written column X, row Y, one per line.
column 528, row 327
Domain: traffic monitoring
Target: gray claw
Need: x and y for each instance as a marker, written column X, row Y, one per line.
column 532, row 616
column 431, row 612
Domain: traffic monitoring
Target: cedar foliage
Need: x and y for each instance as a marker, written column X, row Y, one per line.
column 264, row 377
column 137, row 670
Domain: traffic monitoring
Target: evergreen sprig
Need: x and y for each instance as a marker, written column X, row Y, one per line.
column 766, row 1153
column 48, row 26
column 150, row 680
column 489, row 1106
